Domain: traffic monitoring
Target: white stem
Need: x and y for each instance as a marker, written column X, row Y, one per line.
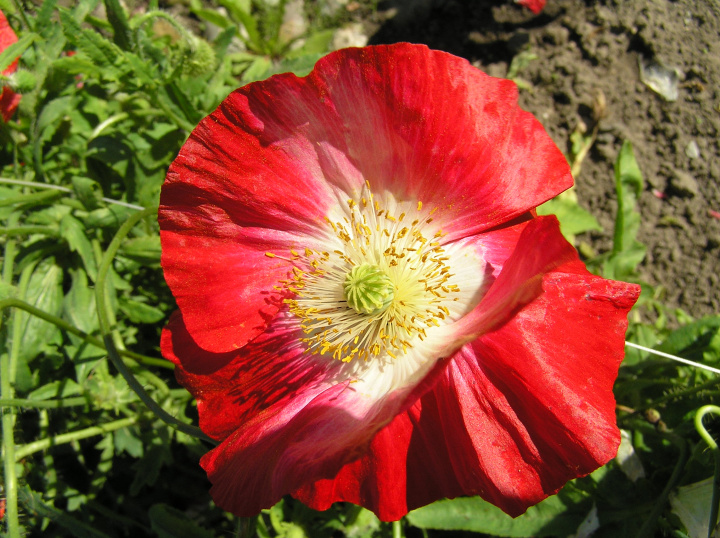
column 673, row 357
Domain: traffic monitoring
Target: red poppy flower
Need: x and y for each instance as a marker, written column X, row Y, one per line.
column 9, row 100
column 369, row 309
column 536, row 6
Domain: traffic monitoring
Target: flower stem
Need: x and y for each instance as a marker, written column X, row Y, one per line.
column 36, row 185
column 43, row 444
column 65, row 326
column 43, row 404
column 715, row 506
column 397, row 529
column 105, row 329
column 8, row 419
column 28, row 230
column 34, row 198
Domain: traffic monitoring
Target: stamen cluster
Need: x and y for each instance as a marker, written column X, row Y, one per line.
column 380, row 245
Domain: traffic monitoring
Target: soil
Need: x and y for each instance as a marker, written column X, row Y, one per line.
column 583, row 47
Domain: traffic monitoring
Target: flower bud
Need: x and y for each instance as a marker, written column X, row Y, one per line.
column 199, row 58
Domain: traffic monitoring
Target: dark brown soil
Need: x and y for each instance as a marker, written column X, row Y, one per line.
column 583, row 47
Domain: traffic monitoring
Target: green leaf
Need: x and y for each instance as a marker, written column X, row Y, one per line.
column 145, row 250
column 79, row 303
column 102, row 52
column 145, row 71
column 168, row 522
column 213, row 17
column 108, row 217
column 118, row 19
column 45, row 293
column 317, row 43
column 692, row 504
column 16, row 50
column 242, row 15
column 559, row 515
column 573, row 218
column 139, row 312
column 127, row 440
column 72, row 230
column 684, row 337
column 45, row 14
column 88, row 191
column 257, row 70
column 56, row 389
column 627, row 251
column 49, row 118
column 629, row 186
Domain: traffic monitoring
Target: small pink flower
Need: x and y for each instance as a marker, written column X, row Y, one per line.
column 9, row 100
column 369, row 309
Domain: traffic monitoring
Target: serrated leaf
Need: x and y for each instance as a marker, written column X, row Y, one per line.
column 169, row 522
column 45, row 14
column 684, row 337
column 126, row 440
column 143, row 70
column 76, row 65
column 118, row 19
column 72, row 230
column 14, row 51
column 45, row 293
column 554, row 516
column 102, row 52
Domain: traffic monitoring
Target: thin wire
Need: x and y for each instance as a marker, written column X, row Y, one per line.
column 673, row 357
column 63, row 189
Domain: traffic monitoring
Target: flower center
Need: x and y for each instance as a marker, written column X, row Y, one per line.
column 368, row 290
column 384, row 287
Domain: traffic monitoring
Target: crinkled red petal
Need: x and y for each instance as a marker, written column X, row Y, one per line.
column 286, row 418
column 516, row 414
column 276, row 154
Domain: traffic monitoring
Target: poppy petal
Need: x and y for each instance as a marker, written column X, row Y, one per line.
column 511, row 418
column 9, row 100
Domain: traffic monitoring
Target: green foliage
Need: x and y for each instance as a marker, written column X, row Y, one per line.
column 559, row 515
column 573, row 218
column 106, row 108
